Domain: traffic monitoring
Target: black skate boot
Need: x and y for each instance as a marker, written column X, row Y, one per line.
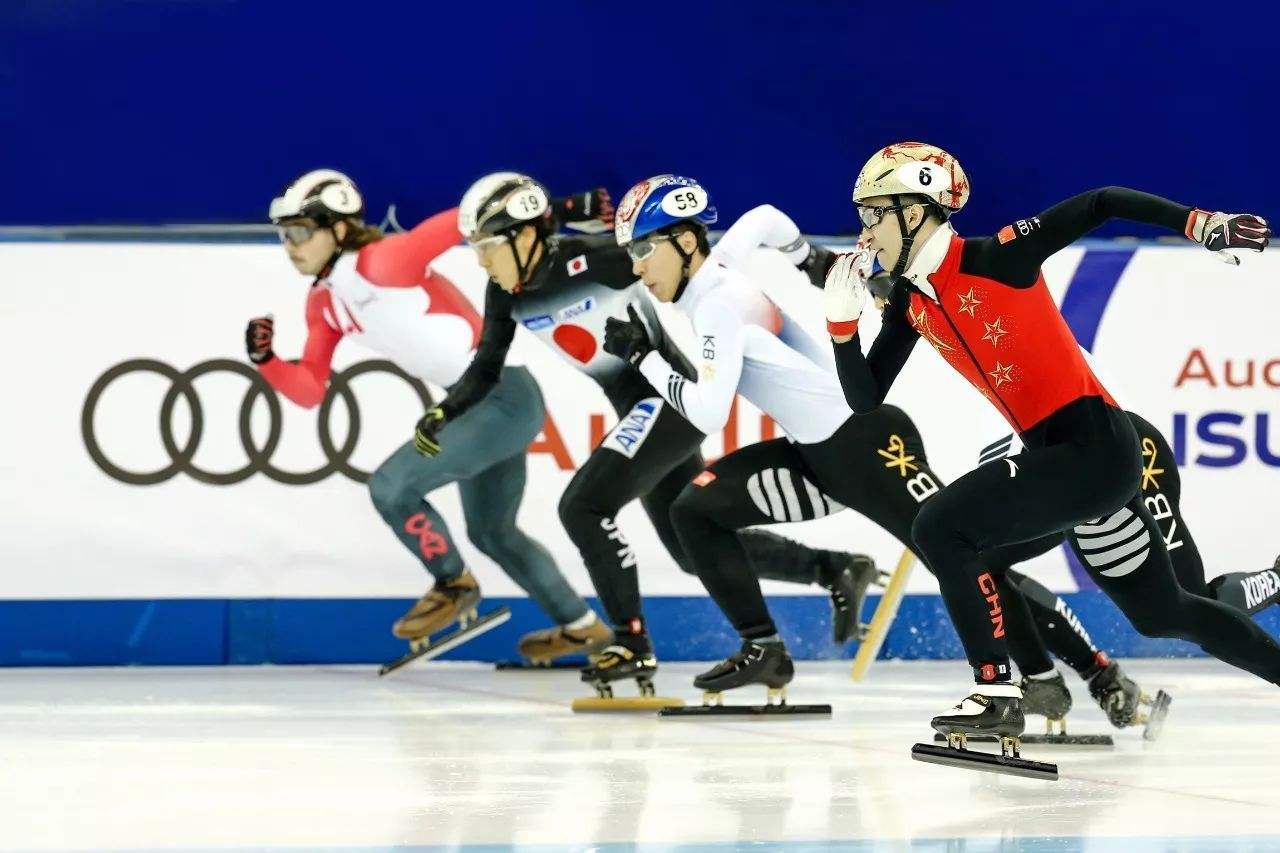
column 630, row 656
column 1126, row 705
column 1049, row 698
column 990, row 711
column 846, row 577
column 754, row 663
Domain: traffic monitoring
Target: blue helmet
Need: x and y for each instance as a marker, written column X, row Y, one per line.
column 662, row 200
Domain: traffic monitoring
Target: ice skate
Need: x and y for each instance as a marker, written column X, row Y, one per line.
column 754, row 663
column 847, row 581
column 1126, row 705
column 873, row 638
column 548, row 648
column 631, row 656
column 446, row 602
column 1048, row 698
column 992, row 711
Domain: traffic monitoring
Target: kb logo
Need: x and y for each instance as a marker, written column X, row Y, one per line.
column 258, row 458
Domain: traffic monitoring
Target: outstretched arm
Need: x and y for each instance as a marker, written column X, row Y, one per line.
column 1015, row 254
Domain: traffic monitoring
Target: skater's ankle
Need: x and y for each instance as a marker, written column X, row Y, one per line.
column 768, row 640
column 993, row 673
column 1096, row 668
column 585, row 621
column 1048, row 675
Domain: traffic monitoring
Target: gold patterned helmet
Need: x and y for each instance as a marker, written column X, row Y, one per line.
column 914, row 168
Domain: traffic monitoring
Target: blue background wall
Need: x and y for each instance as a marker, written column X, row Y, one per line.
column 145, row 111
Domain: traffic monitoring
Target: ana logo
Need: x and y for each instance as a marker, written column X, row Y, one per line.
column 577, row 308
column 541, row 321
column 635, row 427
column 576, row 265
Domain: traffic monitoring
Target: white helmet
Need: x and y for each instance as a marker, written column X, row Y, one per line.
column 914, row 168
column 501, row 201
column 323, row 195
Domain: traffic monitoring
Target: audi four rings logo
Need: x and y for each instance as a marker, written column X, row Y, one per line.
column 182, row 454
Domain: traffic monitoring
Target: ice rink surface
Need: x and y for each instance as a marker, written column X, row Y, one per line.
column 460, row 757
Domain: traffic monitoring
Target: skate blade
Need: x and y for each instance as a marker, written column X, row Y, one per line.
column 624, row 704
column 750, row 712
column 1156, row 716
column 968, row 759
column 882, row 619
column 561, row 663
column 1044, row 740
column 450, row 641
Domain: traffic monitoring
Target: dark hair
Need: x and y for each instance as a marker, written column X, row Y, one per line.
column 697, row 229
column 358, row 234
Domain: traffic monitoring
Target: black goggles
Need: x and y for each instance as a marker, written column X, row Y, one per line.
column 638, row 250
column 872, row 216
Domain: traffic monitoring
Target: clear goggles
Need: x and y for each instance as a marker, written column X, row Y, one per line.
column 487, row 244
column 639, row 250
column 297, row 233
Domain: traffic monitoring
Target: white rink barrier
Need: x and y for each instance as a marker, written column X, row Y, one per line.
column 1187, row 341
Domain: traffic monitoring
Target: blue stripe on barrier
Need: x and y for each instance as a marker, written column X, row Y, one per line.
column 309, row 630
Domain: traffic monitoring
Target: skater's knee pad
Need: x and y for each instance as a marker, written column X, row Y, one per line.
column 691, row 508
column 495, row 541
column 388, row 495
column 930, row 530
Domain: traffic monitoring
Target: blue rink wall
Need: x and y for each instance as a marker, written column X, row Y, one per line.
column 311, row 631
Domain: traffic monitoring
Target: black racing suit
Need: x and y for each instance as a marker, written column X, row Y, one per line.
column 984, row 306
column 1042, row 618
column 651, row 454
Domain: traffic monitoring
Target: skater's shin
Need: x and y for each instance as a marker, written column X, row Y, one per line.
column 722, row 563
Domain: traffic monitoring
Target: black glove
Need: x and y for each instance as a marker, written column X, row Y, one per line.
column 593, row 205
column 627, row 339
column 817, row 264
column 258, row 336
column 1220, row 231
column 424, row 437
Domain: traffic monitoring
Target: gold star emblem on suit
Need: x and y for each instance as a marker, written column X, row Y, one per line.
column 994, row 332
column 1002, row 373
column 898, row 457
column 1149, row 469
column 921, row 323
column 968, row 302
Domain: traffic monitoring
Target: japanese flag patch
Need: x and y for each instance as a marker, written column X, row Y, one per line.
column 577, row 265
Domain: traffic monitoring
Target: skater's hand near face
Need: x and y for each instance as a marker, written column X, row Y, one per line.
column 817, row 264
column 424, row 437
column 627, row 339
column 1218, row 232
column 258, row 336
column 845, row 293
